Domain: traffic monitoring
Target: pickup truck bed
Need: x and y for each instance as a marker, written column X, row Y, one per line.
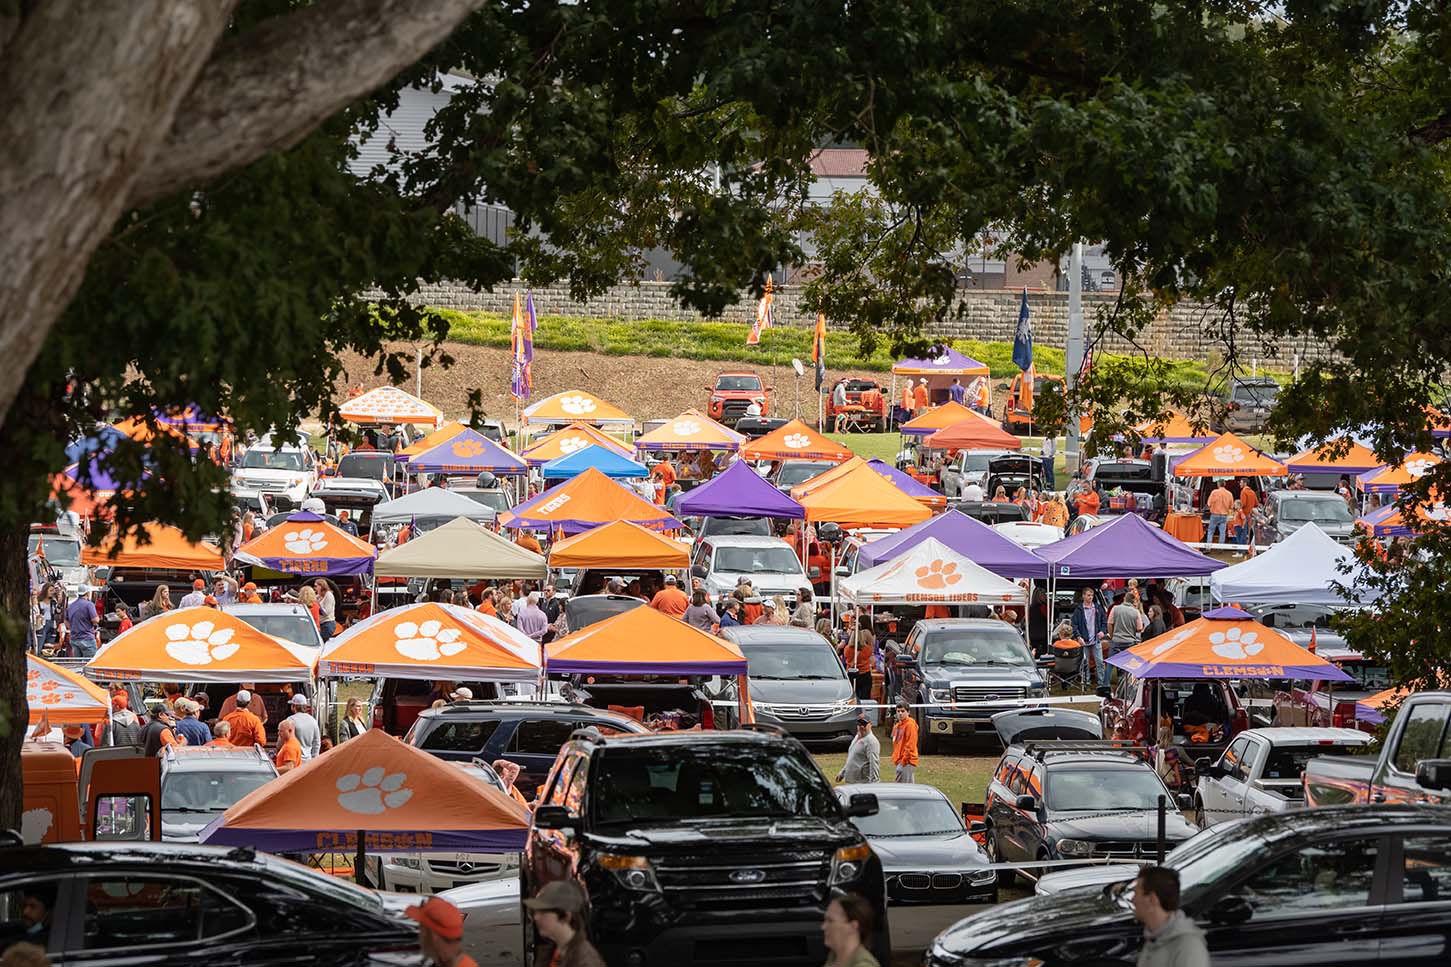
column 1414, row 764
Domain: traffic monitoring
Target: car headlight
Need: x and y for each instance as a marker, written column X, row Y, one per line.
column 408, row 862
column 632, row 872
column 848, row 863
column 941, row 694
column 1075, row 847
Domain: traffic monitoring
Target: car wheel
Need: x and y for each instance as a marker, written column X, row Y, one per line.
column 927, row 741
column 1199, row 813
column 995, row 855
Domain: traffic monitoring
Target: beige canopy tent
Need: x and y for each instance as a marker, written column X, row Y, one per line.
column 461, row 549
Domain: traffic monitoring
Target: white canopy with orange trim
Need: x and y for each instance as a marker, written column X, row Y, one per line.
column 432, row 641
column 795, row 441
column 166, row 547
column 389, row 404
column 61, row 696
column 1229, row 456
column 929, row 573
column 576, row 406
column 199, row 645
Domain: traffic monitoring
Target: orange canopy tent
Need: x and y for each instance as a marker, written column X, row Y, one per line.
column 395, row 797
column 1229, row 456
column 137, row 429
column 937, row 418
column 691, row 430
column 586, row 501
column 61, row 696
column 976, row 432
column 1176, row 429
column 66, row 491
column 855, row 495
column 1391, row 479
column 443, row 434
column 167, row 547
column 199, row 645
column 567, row 440
column 1357, row 459
column 619, row 544
column 389, row 404
column 642, row 641
column 306, row 543
column 434, row 642
column 1225, row 643
column 576, row 406
column 795, row 441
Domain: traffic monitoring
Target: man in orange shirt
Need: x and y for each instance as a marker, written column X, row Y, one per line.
column 670, row 599
column 247, row 729
column 486, row 602
column 1220, row 505
column 1087, row 502
column 249, row 594
column 289, row 750
column 527, row 541
column 904, row 743
column 919, row 397
column 1248, row 499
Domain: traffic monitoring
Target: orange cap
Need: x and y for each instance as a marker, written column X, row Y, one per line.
column 440, row 916
column 198, row 584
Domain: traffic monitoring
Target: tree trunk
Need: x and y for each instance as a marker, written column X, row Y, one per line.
column 14, row 618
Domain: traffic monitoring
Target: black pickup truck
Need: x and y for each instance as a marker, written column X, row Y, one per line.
column 718, row 847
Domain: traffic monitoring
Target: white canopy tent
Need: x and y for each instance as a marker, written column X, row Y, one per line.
column 431, row 502
column 930, row 573
column 1303, row 569
column 461, row 549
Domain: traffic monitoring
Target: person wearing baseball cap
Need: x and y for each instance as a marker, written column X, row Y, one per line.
column 197, row 597
column 249, row 594
column 461, row 694
column 558, row 914
column 440, row 932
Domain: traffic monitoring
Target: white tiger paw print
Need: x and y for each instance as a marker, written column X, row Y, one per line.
column 429, row 641
column 578, row 405
column 1418, row 468
column 1171, row 642
column 373, row 792
column 1228, row 453
column 797, row 440
column 34, row 824
column 573, row 443
column 942, row 360
column 305, row 541
column 685, row 427
column 1235, row 644
column 199, row 644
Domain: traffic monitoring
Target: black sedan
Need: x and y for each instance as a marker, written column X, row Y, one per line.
column 933, row 867
column 139, row 904
column 1333, row 886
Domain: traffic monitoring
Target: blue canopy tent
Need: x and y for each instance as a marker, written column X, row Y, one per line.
column 595, row 457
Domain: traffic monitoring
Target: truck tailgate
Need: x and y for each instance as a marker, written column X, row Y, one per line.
column 1338, row 780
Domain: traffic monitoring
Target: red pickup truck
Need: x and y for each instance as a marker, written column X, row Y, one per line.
column 733, row 395
column 1414, row 764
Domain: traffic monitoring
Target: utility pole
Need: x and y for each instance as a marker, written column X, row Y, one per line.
column 1073, row 353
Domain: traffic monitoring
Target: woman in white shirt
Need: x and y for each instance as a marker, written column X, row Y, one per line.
column 327, row 609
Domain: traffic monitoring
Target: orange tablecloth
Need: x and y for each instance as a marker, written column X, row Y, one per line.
column 1189, row 528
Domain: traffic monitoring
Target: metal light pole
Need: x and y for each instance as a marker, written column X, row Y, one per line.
column 1073, row 353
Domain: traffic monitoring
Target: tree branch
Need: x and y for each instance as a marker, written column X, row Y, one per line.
column 266, row 89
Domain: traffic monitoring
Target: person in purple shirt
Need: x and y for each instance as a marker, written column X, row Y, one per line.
column 956, row 392
column 531, row 619
column 81, row 619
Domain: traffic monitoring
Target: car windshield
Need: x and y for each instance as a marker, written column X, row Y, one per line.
column 260, row 459
column 975, row 646
column 756, row 560
column 1255, row 394
column 742, row 526
column 1288, row 762
column 1330, row 511
column 365, row 465
column 495, row 500
column 705, row 781
column 208, row 792
column 296, row 628
column 1104, row 790
column 59, row 551
column 794, row 474
column 910, row 817
column 977, row 461
column 1368, row 677
column 738, row 383
column 585, row 611
column 788, row 660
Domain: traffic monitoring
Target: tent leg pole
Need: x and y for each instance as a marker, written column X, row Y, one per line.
column 360, row 872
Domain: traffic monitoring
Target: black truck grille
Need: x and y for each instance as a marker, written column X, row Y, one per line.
column 987, row 693
column 783, row 879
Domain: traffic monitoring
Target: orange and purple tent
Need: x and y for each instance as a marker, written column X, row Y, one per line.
column 938, row 418
column 166, row 547
column 1386, row 479
column 307, row 544
column 619, row 544
column 1225, row 643
column 576, row 406
column 389, row 404
column 443, row 434
column 61, row 696
column 199, row 645
column 395, row 797
column 432, row 641
column 1390, row 520
column 855, row 495
column 567, row 440
column 795, row 441
column 1177, row 428
column 691, row 430
column 586, row 501
column 1357, row 459
column 1229, row 456
column 643, row 641
column 975, row 432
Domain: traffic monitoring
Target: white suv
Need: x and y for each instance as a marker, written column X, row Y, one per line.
column 289, row 471
column 768, row 563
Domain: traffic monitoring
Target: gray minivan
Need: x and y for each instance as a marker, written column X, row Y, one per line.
column 797, row 681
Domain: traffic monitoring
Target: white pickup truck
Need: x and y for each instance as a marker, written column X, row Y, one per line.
column 1260, row 771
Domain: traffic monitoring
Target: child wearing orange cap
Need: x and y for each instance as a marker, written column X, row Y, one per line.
column 440, row 932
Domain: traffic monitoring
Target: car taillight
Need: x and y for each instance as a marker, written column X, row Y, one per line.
column 1343, row 716
column 707, row 716
column 378, row 716
column 1240, row 723
column 1195, row 502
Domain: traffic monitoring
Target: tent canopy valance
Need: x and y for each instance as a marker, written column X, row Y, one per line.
column 431, row 641
column 929, row 572
column 461, row 549
column 199, row 645
column 619, row 544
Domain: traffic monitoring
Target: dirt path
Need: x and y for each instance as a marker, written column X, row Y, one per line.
column 643, row 386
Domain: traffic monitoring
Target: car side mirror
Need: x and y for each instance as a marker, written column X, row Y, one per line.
column 1185, row 801
column 861, row 804
column 1433, row 773
column 1203, row 766
column 1231, row 910
column 843, row 572
column 555, row 817
column 1027, row 803
column 699, row 571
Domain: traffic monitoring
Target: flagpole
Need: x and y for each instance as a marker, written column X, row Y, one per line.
column 1073, row 355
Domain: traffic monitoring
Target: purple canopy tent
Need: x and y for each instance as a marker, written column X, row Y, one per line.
column 906, row 483
column 967, row 536
column 1125, row 547
column 738, row 492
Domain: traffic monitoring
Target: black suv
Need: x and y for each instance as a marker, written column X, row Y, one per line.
column 103, row 904
column 528, row 734
column 719, row 847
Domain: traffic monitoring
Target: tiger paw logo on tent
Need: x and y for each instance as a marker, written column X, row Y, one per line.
column 1228, row 453
column 428, row 641
column 467, row 448
column 938, row 575
column 573, row 443
column 1235, row 645
column 1418, row 468
column 199, row 644
column 578, row 405
column 797, row 440
column 373, row 792
column 685, row 427
column 305, row 541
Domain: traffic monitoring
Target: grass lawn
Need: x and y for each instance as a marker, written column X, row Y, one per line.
column 962, row 775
